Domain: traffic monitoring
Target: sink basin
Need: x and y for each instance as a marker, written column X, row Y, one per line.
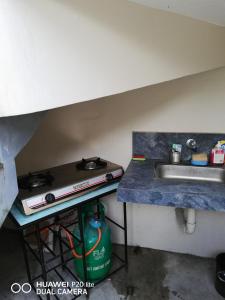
column 186, row 172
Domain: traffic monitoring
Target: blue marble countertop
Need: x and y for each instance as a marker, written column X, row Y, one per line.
column 139, row 185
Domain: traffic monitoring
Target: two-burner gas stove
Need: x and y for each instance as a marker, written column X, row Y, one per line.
column 46, row 188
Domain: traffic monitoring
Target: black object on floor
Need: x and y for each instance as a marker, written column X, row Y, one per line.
column 220, row 274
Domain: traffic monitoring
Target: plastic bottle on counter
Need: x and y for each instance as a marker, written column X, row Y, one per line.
column 217, row 155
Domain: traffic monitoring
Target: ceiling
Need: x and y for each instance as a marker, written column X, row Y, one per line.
column 211, row 11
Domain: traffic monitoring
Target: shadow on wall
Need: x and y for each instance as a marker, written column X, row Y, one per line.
column 103, row 127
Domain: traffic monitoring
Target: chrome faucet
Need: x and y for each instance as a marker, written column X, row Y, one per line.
column 191, row 144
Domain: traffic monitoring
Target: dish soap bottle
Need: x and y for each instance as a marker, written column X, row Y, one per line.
column 217, row 155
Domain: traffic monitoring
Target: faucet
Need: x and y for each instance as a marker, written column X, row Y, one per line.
column 192, row 145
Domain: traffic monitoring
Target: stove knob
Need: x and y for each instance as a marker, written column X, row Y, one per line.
column 109, row 177
column 49, row 198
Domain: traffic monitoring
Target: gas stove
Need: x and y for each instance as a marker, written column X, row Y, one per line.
column 46, row 188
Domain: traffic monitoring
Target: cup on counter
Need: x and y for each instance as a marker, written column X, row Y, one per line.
column 175, row 157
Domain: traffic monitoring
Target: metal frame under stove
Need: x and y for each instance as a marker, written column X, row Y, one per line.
column 64, row 247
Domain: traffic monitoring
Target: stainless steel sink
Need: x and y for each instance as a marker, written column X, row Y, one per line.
column 186, row 172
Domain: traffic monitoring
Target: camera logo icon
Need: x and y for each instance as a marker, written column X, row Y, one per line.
column 17, row 288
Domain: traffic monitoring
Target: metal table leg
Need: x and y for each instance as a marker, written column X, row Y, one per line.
column 61, row 248
column 41, row 255
column 25, row 257
column 125, row 233
column 82, row 244
column 98, row 208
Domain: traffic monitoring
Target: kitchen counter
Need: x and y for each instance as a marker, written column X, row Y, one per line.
column 139, row 185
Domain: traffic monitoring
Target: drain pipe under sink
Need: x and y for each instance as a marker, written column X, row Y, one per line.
column 190, row 220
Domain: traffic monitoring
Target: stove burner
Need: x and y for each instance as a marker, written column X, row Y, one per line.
column 35, row 180
column 91, row 164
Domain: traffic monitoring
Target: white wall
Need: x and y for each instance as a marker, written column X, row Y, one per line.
column 212, row 11
column 103, row 127
column 59, row 52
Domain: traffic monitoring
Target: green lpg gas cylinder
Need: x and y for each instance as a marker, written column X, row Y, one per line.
column 98, row 246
